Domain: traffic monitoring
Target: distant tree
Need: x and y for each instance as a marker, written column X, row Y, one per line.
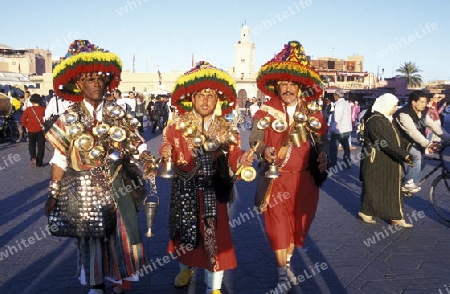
column 411, row 72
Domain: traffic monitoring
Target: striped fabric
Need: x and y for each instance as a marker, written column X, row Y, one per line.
column 121, row 259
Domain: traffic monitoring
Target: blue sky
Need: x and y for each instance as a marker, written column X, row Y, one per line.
column 165, row 33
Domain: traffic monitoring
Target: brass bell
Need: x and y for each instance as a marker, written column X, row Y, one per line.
column 211, row 144
column 84, row 142
column 248, row 173
column 100, row 130
column 263, row 123
column 134, row 123
column 198, row 141
column 98, row 152
column 313, row 106
column 114, row 156
column 69, row 118
column 75, row 130
column 272, row 173
column 117, row 134
column 300, row 117
column 279, row 126
column 314, row 123
column 232, row 139
column 167, row 169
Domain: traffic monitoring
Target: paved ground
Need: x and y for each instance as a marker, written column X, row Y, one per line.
column 408, row 261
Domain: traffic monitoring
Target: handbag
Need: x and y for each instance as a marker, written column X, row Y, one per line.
column 48, row 124
column 85, row 206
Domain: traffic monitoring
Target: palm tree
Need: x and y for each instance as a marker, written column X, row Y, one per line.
column 410, row 71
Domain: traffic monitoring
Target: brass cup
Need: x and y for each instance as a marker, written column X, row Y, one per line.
column 248, row 173
column 75, row 130
column 295, row 139
column 100, row 130
column 69, row 118
column 117, row 134
column 211, row 144
column 300, row 117
column 314, row 123
column 84, row 142
column 279, row 126
column 98, row 152
column 198, row 141
column 301, row 131
column 263, row 123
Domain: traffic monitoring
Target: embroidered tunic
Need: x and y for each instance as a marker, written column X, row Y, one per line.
column 200, row 191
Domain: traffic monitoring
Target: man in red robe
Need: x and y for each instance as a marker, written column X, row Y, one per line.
column 291, row 132
column 203, row 147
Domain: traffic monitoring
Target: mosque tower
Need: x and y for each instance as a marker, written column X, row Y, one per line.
column 244, row 56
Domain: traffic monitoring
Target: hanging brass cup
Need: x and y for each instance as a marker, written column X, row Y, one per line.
column 98, row 152
column 211, row 144
column 84, row 142
column 198, row 141
column 279, row 125
column 117, row 134
column 100, row 130
column 314, row 123
column 69, row 118
column 263, row 123
column 75, row 130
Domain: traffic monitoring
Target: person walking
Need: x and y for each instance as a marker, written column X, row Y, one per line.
column 32, row 120
column 381, row 170
column 203, row 146
column 340, row 129
column 93, row 169
column 295, row 89
column 140, row 111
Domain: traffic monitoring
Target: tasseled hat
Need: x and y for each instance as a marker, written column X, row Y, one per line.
column 204, row 76
column 290, row 64
column 84, row 57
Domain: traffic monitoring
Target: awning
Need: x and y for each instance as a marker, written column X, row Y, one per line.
column 353, row 74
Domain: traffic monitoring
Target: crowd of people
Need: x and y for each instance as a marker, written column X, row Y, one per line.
column 98, row 148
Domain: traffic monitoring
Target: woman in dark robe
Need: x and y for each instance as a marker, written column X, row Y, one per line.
column 381, row 168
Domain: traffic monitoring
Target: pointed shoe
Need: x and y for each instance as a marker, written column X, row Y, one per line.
column 366, row 218
column 401, row 223
column 183, row 278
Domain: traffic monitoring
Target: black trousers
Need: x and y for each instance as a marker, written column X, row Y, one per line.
column 140, row 118
column 36, row 147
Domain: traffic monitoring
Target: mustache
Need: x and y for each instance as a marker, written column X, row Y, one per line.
column 288, row 93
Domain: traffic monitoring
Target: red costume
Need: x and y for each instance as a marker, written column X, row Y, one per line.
column 290, row 200
column 183, row 154
column 203, row 149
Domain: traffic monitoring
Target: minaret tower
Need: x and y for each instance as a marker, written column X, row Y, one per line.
column 244, row 56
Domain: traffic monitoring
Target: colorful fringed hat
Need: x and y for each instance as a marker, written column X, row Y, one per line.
column 204, row 76
column 290, row 64
column 84, row 57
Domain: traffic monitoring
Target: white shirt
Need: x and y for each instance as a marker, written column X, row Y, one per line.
column 342, row 117
column 253, row 109
column 51, row 108
column 131, row 102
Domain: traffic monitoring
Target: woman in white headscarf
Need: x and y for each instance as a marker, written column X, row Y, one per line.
column 381, row 169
